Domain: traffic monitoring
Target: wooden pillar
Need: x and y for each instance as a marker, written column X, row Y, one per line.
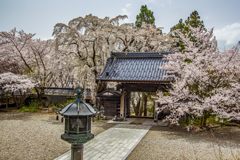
column 122, row 105
column 156, row 111
column 128, row 98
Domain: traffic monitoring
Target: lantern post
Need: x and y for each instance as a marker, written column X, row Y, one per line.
column 77, row 131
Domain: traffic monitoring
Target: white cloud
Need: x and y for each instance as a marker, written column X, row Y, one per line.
column 126, row 10
column 161, row 3
column 229, row 34
column 151, row 1
column 165, row 3
column 169, row 2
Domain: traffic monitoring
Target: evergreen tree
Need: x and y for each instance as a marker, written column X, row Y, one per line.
column 194, row 21
column 180, row 25
column 145, row 15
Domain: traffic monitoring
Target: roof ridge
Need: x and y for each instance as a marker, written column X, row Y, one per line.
column 138, row 54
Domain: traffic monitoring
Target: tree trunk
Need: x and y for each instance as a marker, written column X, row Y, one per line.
column 204, row 119
column 187, row 119
column 37, row 91
column 15, row 100
column 40, row 94
column 141, row 106
column 7, row 102
column 137, row 108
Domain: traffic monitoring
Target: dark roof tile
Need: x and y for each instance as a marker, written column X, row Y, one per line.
column 134, row 67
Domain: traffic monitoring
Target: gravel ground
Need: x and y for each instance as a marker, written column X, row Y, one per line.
column 162, row 143
column 34, row 136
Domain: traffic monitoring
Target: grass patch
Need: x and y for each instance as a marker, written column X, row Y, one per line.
column 35, row 106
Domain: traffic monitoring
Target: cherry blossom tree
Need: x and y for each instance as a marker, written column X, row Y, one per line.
column 14, row 84
column 8, row 66
column 10, row 82
column 88, row 41
column 78, row 52
column 206, row 82
column 13, row 48
column 21, row 53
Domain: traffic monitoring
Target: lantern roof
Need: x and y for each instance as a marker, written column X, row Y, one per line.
column 78, row 108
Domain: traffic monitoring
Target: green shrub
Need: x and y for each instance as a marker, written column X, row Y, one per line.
column 32, row 107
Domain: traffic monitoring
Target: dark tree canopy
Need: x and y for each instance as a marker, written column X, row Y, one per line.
column 145, row 15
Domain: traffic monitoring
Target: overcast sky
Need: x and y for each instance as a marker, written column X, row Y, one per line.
column 39, row 16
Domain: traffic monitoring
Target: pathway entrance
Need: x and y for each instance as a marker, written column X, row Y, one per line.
column 113, row 144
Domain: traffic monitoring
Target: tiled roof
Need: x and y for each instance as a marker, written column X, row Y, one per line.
column 59, row 91
column 134, row 67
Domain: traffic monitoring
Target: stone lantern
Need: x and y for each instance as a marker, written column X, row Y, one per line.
column 77, row 117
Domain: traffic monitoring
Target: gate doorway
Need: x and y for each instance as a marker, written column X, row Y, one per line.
column 141, row 104
column 142, row 73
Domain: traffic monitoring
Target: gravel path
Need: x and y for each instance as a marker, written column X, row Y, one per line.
column 26, row 136
column 162, row 143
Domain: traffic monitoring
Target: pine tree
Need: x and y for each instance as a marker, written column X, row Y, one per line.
column 193, row 21
column 145, row 15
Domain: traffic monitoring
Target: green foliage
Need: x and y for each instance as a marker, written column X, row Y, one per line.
column 150, row 110
column 32, row 107
column 202, row 92
column 35, row 106
column 194, row 21
column 209, row 120
column 188, row 61
column 145, row 15
column 180, row 26
column 61, row 105
column 166, row 93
